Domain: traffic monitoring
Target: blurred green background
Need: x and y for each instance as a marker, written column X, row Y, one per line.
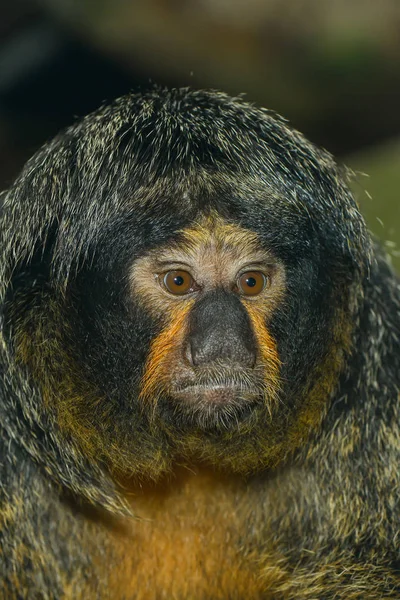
column 331, row 68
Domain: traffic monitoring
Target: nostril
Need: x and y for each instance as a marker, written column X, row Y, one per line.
column 243, row 355
column 251, row 359
column 188, row 354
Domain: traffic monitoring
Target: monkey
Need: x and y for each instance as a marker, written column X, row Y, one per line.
column 199, row 364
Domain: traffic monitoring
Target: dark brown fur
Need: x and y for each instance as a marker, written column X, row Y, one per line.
column 112, row 489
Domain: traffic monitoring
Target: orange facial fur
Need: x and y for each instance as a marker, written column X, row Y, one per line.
column 268, row 352
column 156, row 374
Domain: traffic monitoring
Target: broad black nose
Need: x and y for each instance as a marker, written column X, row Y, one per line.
column 220, row 330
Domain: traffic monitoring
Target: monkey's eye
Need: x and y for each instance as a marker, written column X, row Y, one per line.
column 178, row 282
column 251, row 283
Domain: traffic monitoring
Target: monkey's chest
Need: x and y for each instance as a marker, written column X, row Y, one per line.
column 188, row 544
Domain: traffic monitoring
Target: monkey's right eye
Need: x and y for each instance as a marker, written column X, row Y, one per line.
column 178, row 282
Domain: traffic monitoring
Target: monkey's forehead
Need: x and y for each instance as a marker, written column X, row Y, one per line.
column 211, row 238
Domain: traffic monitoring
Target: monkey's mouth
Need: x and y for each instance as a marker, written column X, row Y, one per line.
column 213, row 406
column 216, row 393
column 214, row 398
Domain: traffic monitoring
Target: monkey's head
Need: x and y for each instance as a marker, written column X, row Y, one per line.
column 181, row 275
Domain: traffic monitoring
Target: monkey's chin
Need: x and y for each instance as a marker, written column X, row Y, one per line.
column 212, row 407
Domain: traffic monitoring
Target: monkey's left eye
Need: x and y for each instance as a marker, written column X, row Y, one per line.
column 178, row 282
column 251, row 283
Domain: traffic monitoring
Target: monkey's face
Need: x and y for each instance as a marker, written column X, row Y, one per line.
column 213, row 291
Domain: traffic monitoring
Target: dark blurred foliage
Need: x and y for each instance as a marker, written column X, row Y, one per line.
column 331, row 68
column 48, row 78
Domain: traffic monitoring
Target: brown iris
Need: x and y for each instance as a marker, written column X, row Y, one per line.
column 252, row 283
column 178, row 282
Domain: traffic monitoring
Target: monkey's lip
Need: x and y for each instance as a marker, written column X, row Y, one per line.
column 216, row 393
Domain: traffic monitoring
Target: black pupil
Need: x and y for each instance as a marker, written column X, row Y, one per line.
column 178, row 280
column 251, row 281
